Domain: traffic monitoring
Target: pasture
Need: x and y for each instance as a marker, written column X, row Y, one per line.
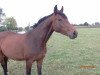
column 65, row 56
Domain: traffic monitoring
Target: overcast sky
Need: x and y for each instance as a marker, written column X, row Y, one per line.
column 30, row 11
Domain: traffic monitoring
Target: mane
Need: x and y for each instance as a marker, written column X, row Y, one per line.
column 41, row 20
column 45, row 17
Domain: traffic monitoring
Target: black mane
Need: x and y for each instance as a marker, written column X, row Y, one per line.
column 41, row 20
column 45, row 17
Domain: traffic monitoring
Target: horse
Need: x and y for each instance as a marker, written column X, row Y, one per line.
column 31, row 46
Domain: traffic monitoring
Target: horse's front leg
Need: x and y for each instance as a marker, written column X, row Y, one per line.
column 39, row 66
column 28, row 67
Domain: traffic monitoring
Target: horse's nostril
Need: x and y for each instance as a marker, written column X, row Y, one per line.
column 75, row 33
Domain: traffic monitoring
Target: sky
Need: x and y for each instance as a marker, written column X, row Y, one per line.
column 30, row 11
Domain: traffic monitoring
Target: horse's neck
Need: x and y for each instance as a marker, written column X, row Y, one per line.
column 42, row 32
column 47, row 33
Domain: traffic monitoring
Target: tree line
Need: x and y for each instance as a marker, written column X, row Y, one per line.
column 8, row 23
column 87, row 24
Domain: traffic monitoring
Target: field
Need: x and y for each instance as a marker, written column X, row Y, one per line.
column 67, row 57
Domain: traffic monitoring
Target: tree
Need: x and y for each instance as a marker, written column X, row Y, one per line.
column 1, row 14
column 11, row 23
column 27, row 28
column 86, row 24
column 97, row 23
column 20, row 29
column 3, row 28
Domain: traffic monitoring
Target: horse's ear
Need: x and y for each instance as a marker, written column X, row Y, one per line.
column 55, row 9
column 62, row 9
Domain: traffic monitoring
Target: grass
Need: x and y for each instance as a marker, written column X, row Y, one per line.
column 65, row 56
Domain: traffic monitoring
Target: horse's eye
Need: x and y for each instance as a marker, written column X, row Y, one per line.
column 59, row 19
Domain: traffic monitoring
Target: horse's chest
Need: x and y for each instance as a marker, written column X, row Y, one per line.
column 36, row 54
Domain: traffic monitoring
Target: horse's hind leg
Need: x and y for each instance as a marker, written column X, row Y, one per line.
column 3, row 61
column 4, row 65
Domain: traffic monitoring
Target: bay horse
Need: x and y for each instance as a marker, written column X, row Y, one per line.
column 31, row 46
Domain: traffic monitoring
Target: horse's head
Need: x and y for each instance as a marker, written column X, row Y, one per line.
column 61, row 24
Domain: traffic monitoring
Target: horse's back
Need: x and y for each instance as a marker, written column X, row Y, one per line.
column 6, row 33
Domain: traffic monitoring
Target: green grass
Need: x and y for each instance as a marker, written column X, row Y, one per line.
column 65, row 56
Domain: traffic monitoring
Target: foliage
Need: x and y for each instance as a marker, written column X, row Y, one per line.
column 11, row 23
column 3, row 28
column 20, row 29
column 97, row 23
column 86, row 24
column 1, row 14
column 27, row 28
column 8, row 23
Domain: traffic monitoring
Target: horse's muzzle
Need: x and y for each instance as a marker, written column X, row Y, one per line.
column 73, row 35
